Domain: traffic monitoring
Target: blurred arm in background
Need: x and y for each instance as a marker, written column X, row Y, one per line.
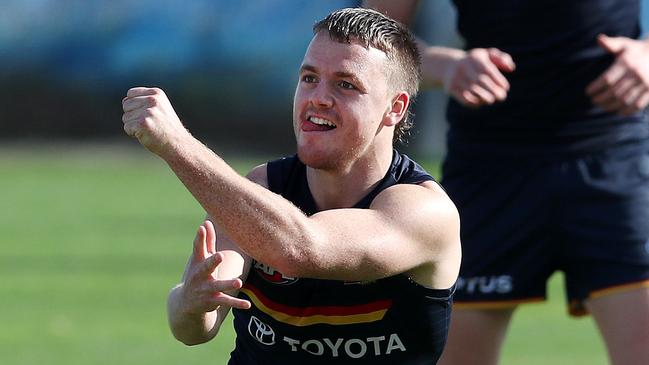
column 474, row 78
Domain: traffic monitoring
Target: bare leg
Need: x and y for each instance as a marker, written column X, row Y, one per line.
column 623, row 320
column 476, row 336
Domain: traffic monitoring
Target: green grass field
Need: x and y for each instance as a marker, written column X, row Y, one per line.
column 92, row 239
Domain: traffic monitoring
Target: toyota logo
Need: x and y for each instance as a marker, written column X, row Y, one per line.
column 261, row 331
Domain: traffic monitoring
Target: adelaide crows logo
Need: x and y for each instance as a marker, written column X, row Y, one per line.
column 273, row 276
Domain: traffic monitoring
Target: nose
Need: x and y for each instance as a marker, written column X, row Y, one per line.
column 321, row 96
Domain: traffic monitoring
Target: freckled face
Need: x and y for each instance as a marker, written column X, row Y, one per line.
column 340, row 101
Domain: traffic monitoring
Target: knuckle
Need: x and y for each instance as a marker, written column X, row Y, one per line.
column 617, row 94
column 634, row 70
column 484, row 79
column 152, row 100
column 608, row 80
column 148, row 113
column 478, row 52
column 620, row 94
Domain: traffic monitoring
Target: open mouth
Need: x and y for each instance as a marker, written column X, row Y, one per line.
column 321, row 123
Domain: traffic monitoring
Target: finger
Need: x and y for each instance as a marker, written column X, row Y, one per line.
column 634, row 100
column 624, row 92
column 234, row 302
column 494, row 89
column 608, row 101
column 142, row 91
column 642, row 102
column 612, row 45
column 618, row 91
column 210, row 264
column 226, row 284
column 596, row 87
column 211, row 237
column 497, row 77
column 606, row 80
column 199, row 252
column 137, row 102
column 131, row 116
column 481, row 71
column 465, row 97
column 612, row 106
column 460, row 90
column 501, row 59
column 132, row 129
column 485, row 66
column 485, row 96
column 624, row 86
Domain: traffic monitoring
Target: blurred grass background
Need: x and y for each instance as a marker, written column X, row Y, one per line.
column 93, row 237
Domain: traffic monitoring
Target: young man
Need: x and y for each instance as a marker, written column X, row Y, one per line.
column 548, row 163
column 346, row 253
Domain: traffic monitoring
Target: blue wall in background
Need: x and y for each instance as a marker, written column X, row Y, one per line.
column 65, row 64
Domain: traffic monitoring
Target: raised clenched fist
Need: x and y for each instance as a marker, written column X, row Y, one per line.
column 149, row 117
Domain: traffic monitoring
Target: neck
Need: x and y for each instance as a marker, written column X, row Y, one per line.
column 344, row 187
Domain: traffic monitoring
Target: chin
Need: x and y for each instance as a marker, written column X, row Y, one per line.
column 316, row 160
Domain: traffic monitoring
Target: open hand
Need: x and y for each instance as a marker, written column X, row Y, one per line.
column 201, row 291
column 624, row 87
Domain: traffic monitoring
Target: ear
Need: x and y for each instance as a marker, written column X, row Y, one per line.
column 398, row 109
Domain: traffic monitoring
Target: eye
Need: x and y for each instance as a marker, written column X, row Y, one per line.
column 309, row 79
column 346, row 85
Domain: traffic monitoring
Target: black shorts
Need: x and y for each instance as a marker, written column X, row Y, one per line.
column 587, row 216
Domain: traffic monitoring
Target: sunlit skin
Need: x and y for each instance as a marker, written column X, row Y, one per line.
column 347, row 86
column 345, row 113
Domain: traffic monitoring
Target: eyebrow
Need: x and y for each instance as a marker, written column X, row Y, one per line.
column 340, row 74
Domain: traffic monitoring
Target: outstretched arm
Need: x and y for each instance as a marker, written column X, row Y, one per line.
column 624, row 87
column 474, row 78
column 197, row 306
column 393, row 236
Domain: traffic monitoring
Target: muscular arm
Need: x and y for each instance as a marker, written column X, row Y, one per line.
column 405, row 229
column 401, row 231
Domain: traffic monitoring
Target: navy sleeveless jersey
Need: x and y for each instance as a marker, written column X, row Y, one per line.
column 554, row 46
column 296, row 321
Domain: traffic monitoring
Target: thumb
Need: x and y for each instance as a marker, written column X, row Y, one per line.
column 502, row 60
column 200, row 244
column 612, row 45
column 210, row 237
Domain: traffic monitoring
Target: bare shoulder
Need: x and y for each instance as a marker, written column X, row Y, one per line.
column 429, row 216
column 443, row 213
column 427, row 198
column 259, row 175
